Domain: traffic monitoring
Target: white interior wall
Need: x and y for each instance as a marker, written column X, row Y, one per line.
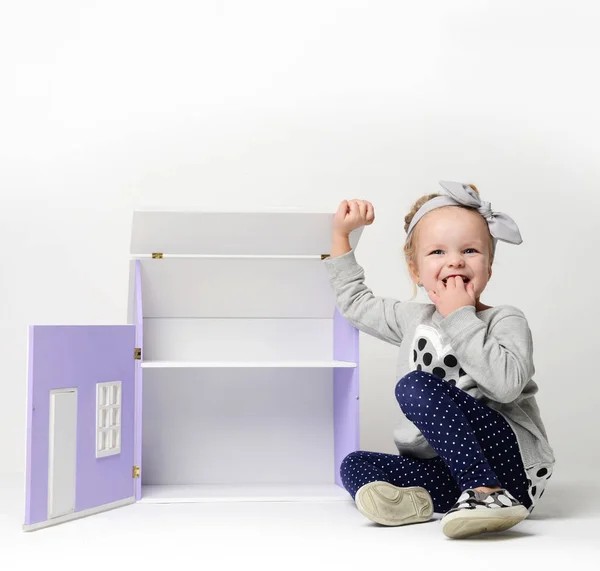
column 193, row 339
column 236, row 426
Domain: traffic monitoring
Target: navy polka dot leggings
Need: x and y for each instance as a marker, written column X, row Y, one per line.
column 475, row 446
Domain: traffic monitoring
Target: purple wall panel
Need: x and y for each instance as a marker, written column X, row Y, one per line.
column 139, row 342
column 79, row 357
column 345, row 392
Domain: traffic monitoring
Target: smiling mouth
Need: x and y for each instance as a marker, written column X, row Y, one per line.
column 464, row 279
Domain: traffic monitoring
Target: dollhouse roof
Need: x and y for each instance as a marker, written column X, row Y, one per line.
column 272, row 233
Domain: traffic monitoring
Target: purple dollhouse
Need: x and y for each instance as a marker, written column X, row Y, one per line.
column 234, row 379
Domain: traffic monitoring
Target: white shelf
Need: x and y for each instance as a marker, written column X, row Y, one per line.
column 243, row 493
column 246, row 364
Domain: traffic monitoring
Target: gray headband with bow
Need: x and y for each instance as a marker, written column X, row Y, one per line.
column 501, row 226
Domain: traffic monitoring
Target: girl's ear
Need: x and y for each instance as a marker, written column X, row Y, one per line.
column 414, row 274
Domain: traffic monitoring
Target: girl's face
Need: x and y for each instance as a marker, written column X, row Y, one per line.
column 452, row 240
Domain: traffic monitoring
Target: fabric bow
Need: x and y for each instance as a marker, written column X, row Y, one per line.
column 501, row 226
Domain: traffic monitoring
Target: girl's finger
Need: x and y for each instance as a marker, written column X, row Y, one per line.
column 342, row 208
column 472, row 289
column 362, row 207
column 370, row 213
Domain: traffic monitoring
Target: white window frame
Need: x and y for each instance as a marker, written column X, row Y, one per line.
column 108, row 418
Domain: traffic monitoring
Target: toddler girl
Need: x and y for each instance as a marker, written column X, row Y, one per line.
column 470, row 438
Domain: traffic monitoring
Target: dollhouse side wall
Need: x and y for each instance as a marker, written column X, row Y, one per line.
column 345, row 392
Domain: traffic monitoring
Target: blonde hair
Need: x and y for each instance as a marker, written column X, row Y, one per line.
column 410, row 248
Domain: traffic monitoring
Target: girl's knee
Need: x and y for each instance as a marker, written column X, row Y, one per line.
column 411, row 388
column 350, row 458
column 348, row 470
column 349, row 461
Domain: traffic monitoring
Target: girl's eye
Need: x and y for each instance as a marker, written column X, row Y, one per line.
column 474, row 250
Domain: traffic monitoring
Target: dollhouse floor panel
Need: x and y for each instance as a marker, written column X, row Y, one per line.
column 243, row 493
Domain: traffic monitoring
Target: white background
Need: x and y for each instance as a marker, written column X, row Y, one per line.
column 108, row 106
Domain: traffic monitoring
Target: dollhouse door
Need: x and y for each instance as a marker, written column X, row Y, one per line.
column 80, row 422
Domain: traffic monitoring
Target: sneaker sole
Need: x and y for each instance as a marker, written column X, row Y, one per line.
column 390, row 505
column 466, row 523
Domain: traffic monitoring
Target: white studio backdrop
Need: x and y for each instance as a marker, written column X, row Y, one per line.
column 110, row 106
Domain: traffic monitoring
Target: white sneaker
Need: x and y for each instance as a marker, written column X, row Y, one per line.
column 479, row 512
column 386, row 504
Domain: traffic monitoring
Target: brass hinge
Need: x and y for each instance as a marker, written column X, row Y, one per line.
column 157, row 255
column 323, row 256
column 136, row 471
column 137, row 354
